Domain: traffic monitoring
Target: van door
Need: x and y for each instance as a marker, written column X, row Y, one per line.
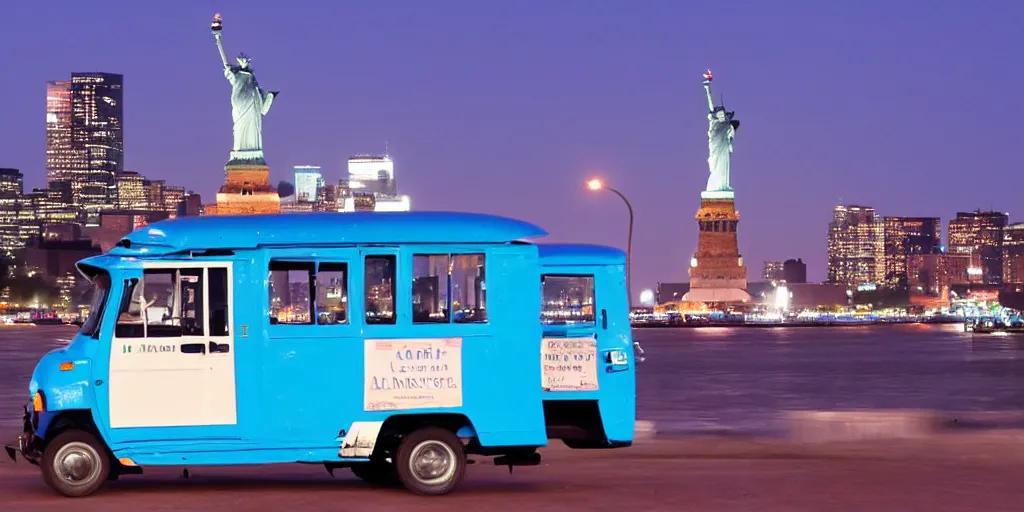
column 172, row 356
column 587, row 364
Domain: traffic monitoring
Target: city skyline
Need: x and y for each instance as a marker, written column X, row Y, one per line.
column 488, row 135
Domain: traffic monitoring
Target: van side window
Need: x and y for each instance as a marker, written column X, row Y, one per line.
column 430, row 288
column 449, row 288
column 291, row 285
column 379, row 289
column 218, row 290
column 165, row 303
column 332, row 294
column 567, row 299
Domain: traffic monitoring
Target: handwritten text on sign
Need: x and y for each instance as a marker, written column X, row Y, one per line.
column 412, row 374
column 568, row 364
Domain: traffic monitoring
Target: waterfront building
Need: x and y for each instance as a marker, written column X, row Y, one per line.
column 308, row 181
column 371, row 186
column 794, row 271
column 191, row 205
column 154, row 190
column 772, row 271
column 932, row 274
column 1013, row 254
column 62, row 159
column 85, row 138
column 131, row 191
column 979, row 234
column 97, row 135
column 173, row 196
column 50, row 206
column 295, row 206
column 855, row 246
column 114, row 225
column 12, row 187
column 327, row 198
column 905, row 236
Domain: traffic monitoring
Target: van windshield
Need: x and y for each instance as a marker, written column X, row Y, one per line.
column 99, row 290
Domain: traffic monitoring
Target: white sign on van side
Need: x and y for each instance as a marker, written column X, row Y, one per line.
column 412, row 374
column 568, row 364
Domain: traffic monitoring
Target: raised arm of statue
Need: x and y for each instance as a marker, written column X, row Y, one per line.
column 707, row 90
column 215, row 28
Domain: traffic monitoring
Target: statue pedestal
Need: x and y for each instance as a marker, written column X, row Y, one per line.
column 717, row 273
column 246, row 191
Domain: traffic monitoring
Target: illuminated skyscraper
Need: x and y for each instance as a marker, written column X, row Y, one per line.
column 855, row 246
column 12, row 188
column 980, row 235
column 97, row 124
column 905, row 236
column 85, row 137
column 61, row 158
column 1013, row 254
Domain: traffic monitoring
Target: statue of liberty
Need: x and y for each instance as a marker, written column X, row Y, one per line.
column 721, row 132
column 249, row 103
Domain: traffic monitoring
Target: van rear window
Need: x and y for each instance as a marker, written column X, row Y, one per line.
column 567, row 299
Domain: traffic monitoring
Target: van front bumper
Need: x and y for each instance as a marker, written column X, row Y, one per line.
column 27, row 443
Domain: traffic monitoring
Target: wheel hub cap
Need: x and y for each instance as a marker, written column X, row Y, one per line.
column 432, row 462
column 77, row 463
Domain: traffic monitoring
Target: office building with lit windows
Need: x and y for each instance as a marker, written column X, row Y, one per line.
column 308, row 182
column 855, row 246
column 772, row 271
column 906, row 236
column 1013, row 254
column 12, row 187
column 131, row 192
column 61, row 158
column 85, row 137
column 979, row 235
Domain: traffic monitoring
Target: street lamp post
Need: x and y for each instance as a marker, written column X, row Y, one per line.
column 595, row 185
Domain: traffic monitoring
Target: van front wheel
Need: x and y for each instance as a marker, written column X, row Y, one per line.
column 75, row 463
column 430, row 461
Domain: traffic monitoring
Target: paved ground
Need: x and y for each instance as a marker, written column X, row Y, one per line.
column 968, row 472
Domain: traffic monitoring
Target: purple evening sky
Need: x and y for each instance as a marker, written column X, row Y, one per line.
column 508, row 107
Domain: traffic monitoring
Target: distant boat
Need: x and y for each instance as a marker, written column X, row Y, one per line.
column 991, row 325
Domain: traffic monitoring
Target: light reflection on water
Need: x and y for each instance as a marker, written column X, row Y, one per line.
column 737, row 380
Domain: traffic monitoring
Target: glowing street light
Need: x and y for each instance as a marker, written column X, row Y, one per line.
column 595, row 185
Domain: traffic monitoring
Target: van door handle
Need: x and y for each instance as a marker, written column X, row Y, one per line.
column 193, row 348
column 604, row 319
column 219, row 348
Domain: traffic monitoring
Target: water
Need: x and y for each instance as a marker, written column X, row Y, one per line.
column 737, row 380
column 742, row 380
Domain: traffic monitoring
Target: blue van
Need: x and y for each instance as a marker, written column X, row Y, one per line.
column 393, row 344
column 589, row 378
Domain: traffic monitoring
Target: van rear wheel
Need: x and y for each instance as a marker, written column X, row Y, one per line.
column 430, row 461
column 75, row 463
